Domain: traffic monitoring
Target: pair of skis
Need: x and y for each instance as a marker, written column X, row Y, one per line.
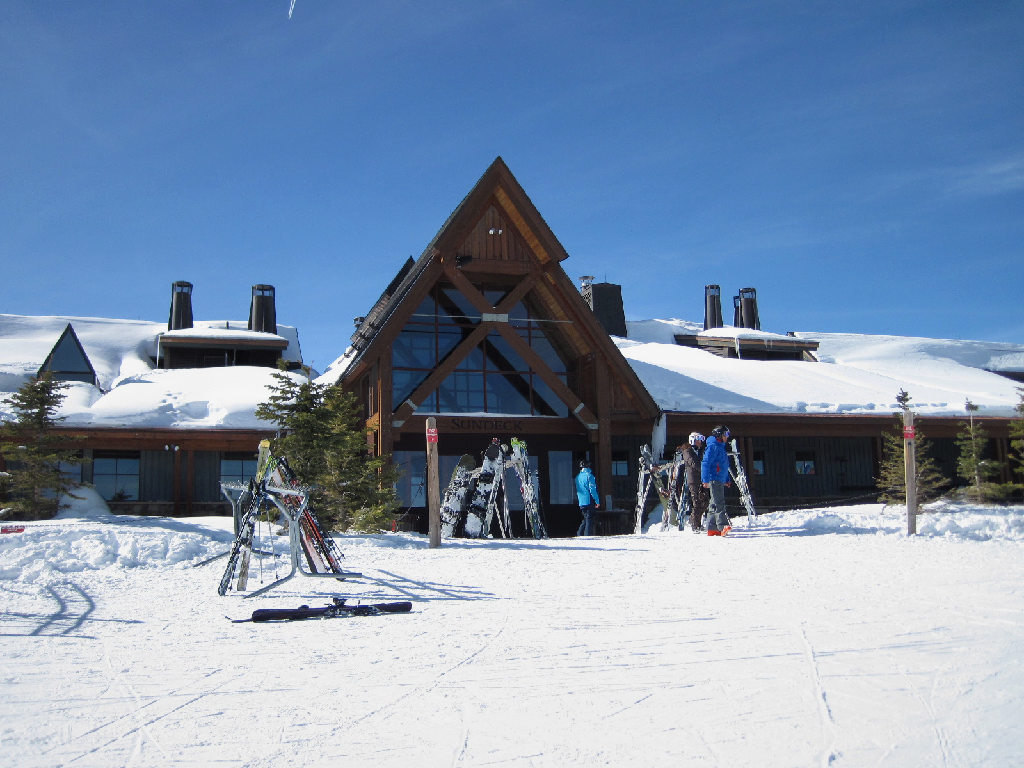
column 470, row 502
column 739, row 476
column 338, row 609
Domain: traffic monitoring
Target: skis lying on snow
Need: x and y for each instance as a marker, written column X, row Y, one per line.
column 337, row 610
column 739, row 476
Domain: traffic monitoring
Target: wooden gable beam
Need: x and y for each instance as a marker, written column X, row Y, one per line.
column 464, row 347
column 439, row 374
column 578, row 408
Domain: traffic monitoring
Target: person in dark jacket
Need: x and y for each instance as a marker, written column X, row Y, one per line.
column 586, row 495
column 695, row 495
column 714, row 475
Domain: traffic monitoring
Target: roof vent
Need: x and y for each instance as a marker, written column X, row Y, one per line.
column 181, row 306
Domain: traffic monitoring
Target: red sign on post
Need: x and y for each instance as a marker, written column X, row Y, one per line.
column 909, row 433
column 431, row 435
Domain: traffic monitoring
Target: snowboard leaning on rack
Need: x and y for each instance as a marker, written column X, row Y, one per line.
column 520, row 461
column 739, row 476
column 456, row 496
column 478, row 514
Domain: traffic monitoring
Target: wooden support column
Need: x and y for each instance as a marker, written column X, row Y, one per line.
column 382, row 372
column 603, row 449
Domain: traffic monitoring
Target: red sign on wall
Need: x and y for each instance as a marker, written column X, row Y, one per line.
column 431, row 435
column 909, row 433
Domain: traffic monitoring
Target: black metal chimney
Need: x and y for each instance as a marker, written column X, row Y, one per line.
column 748, row 309
column 262, row 310
column 712, row 307
column 181, row 306
column 607, row 306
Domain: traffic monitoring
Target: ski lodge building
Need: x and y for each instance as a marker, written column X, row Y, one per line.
column 487, row 333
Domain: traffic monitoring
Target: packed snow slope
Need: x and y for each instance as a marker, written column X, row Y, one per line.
column 855, row 374
column 816, row 638
column 131, row 391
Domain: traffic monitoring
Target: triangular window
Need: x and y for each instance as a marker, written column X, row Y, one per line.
column 67, row 360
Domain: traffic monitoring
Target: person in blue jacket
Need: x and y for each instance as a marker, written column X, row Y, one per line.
column 586, row 494
column 714, row 475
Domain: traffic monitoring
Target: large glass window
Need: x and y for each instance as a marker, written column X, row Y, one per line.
column 805, row 463
column 237, row 467
column 492, row 378
column 412, row 477
column 116, row 475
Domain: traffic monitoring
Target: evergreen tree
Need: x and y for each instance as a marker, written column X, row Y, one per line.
column 892, row 475
column 1017, row 438
column 324, row 440
column 971, row 464
column 33, row 482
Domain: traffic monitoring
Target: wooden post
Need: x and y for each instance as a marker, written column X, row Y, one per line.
column 910, row 468
column 433, row 485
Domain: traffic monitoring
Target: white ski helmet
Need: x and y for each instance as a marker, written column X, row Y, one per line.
column 696, row 437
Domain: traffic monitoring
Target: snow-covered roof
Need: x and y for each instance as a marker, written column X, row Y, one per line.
column 131, row 390
column 856, row 374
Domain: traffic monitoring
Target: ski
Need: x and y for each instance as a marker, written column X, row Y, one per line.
column 739, row 476
column 650, row 475
column 338, row 609
column 453, row 506
column 246, row 530
column 520, row 461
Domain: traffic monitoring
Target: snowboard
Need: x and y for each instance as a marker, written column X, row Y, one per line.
column 453, row 506
column 520, row 461
column 478, row 514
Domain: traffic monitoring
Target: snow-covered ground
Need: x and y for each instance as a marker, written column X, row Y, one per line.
column 816, row 638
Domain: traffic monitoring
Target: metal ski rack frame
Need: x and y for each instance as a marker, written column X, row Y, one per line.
column 293, row 514
column 739, row 476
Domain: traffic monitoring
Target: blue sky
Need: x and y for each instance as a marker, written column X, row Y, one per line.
column 860, row 164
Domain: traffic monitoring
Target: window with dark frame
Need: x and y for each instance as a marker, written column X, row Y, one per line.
column 805, row 463
column 115, row 475
column 492, row 378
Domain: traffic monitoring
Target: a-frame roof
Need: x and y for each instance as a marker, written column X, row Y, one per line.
column 496, row 201
column 67, row 359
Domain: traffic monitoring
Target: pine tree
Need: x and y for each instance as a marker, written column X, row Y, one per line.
column 892, row 476
column 971, row 464
column 324, row 440
column 1017, row 438
column 33, row 482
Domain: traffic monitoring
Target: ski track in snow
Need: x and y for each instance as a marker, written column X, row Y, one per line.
column 817, row 639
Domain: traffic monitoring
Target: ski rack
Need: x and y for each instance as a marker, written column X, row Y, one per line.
column 516, row 459
column 650, row 474
column 294, row 515
column 739, row 476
